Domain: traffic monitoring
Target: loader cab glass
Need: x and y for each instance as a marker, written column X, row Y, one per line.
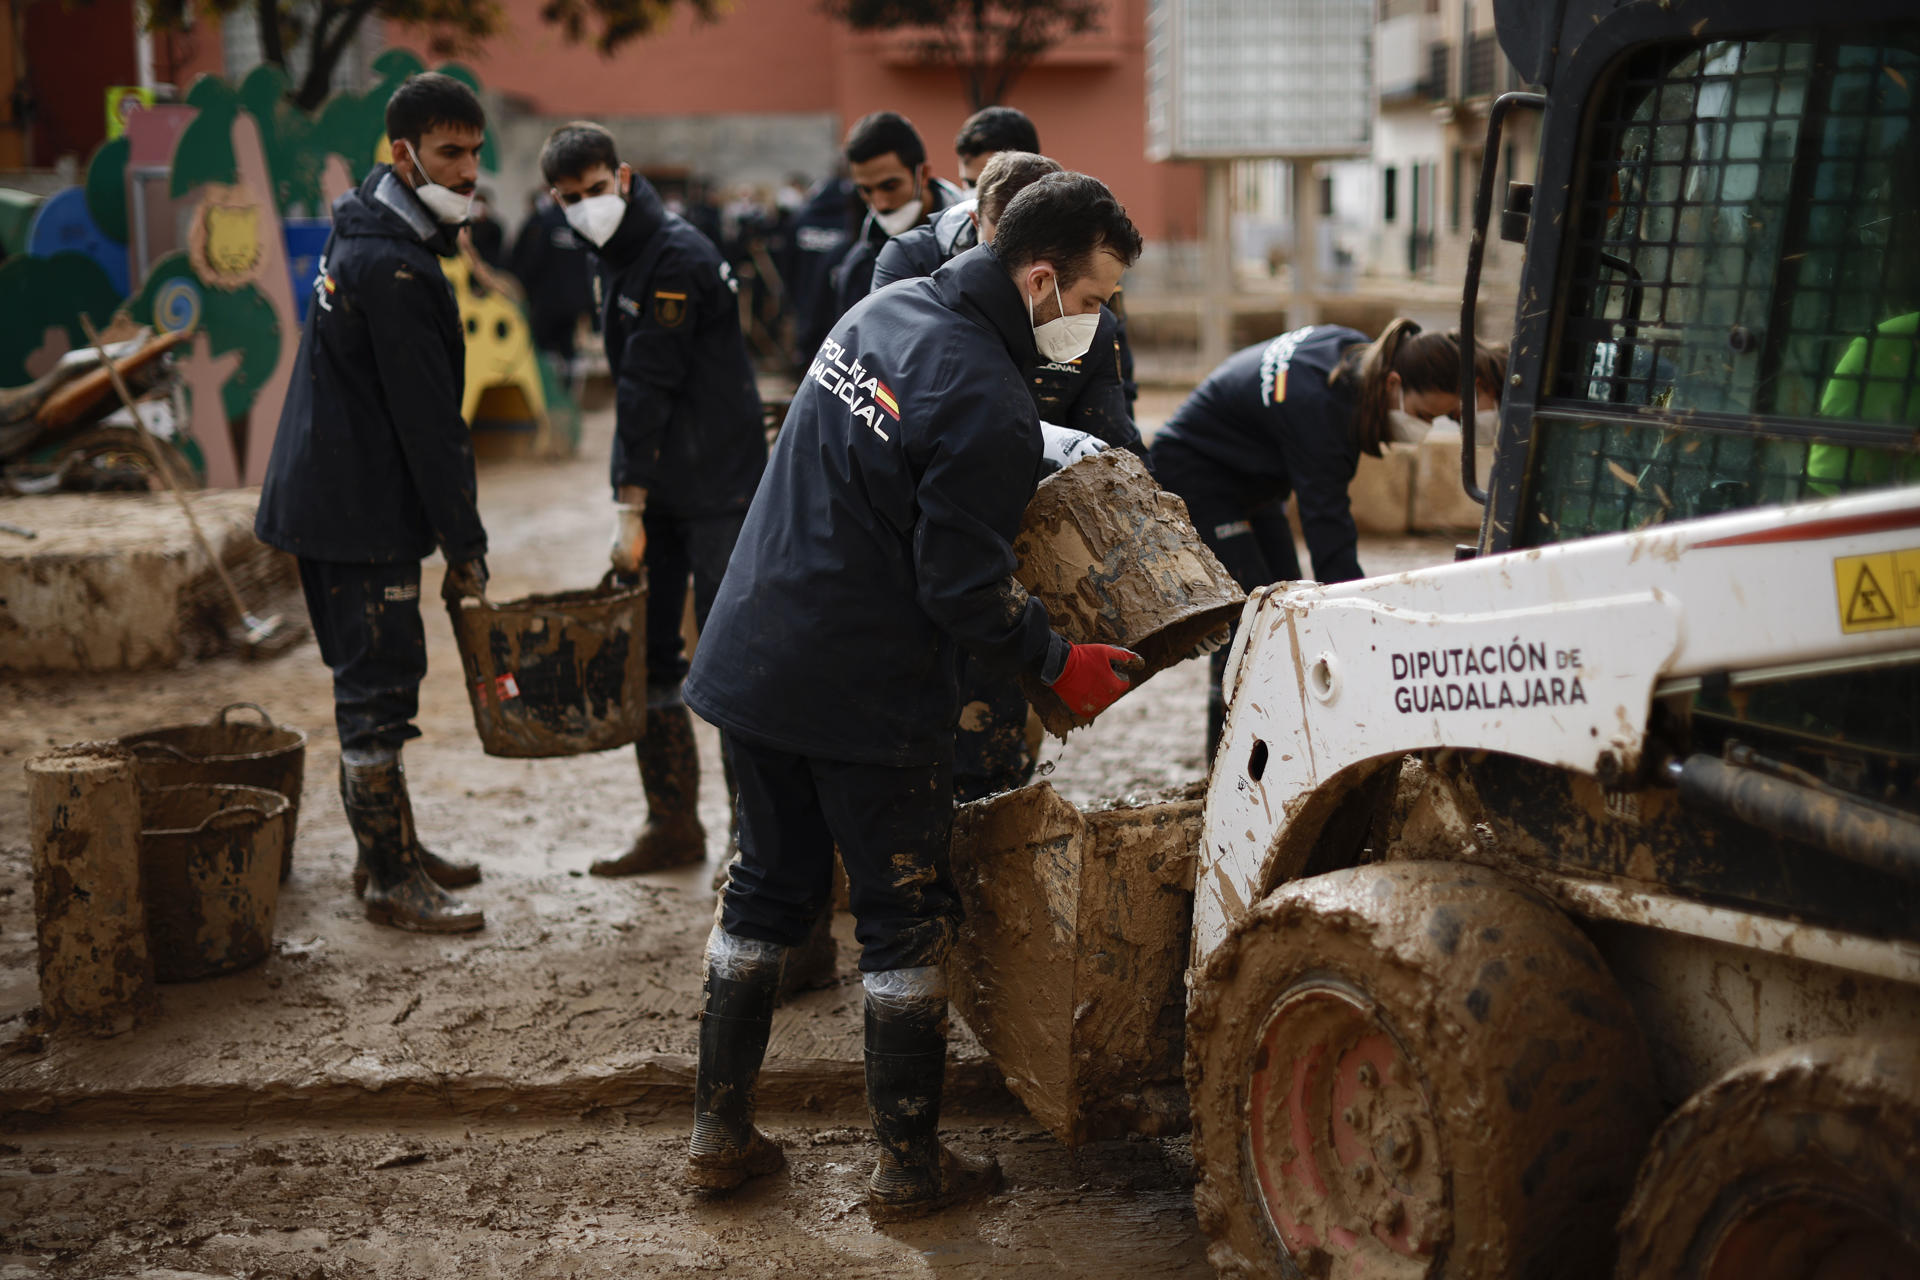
column 1742, row 285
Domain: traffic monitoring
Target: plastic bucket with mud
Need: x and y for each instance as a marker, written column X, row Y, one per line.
column 1116, row 560
column 210, row 860
column 244, row 754
column 556, row 675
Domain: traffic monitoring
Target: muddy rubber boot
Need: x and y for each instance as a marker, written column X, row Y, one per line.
column 742, row 975
column 670, row 776
column 446, row 874
column 373, row 790
column 906, row 1066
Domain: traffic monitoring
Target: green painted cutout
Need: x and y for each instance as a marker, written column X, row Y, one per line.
column 37, row 294
column 107, row 188
column 235, row 320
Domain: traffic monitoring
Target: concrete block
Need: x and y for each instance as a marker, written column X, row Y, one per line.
column 1381, row 492
column 116, row 582
column 1440, row 505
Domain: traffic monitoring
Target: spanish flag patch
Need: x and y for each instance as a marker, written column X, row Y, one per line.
column 884, row 398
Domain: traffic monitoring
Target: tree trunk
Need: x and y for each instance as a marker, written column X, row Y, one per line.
column 271, row 48
column 328, row 45
column 979, row 58
column 84, row 813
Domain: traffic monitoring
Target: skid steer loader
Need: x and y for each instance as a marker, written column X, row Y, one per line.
column 1614, row 822
column 1556, row 912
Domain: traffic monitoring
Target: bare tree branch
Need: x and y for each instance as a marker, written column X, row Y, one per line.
column 990, row 43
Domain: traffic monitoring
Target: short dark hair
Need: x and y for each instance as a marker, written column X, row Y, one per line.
column 993, row 129
column 430, row 99
column 873, row 136
column 1064, row 218
column 572, row 150
column 1006, row 176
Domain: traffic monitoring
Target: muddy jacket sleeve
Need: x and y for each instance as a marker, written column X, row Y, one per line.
column 1101, row 408
column 1313, row 438
column 979, row 473
column 407, row 318
column 662, row 314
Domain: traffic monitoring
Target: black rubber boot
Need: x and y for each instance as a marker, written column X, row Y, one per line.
column 398, row 891
column 741, row 979
column 670, row 776
column 445, row 873
column 906, row 1067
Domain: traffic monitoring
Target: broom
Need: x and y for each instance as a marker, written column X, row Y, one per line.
column 257, row 637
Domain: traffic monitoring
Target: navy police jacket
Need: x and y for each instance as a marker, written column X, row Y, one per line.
column 1088, row 394
column 372, row 461
column 1269, row 419
column 687, row 423
column 880, row 539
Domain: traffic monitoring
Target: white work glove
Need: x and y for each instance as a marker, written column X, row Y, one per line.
column 1062, row 445
column 1214, row 642
column 629, row 546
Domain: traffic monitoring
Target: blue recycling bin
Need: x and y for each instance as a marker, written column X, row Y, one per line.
column 306, row 241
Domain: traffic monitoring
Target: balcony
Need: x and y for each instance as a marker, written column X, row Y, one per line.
column 1483, row 64
column 1439, row 65
column 1400, row 69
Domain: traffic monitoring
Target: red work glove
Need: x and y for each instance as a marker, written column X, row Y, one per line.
column 1092, row 680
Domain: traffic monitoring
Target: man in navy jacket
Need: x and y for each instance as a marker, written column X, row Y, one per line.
column 372, row 469
column 878, row 546
column 688, row 447
column 888, row 164
column 991, row 750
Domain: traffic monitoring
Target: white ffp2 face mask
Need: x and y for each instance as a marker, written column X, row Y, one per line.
column 596, row 218
column 444, row 203
column 895, row 221
column 1065, row 338
column 1403, row 427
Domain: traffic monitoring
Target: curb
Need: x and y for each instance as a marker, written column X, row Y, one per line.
column 657, row 1084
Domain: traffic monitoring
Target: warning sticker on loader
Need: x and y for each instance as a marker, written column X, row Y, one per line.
column 1879, row 592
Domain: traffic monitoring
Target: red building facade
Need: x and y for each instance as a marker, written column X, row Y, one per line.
column 768, row 57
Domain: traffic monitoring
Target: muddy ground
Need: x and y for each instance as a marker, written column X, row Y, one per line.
column 372, row 1103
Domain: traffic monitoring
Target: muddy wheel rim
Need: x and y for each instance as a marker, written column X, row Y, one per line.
column 1809, row 1233
column 1342, row 1144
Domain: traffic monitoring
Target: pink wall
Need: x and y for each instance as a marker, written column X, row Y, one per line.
column 771, row 56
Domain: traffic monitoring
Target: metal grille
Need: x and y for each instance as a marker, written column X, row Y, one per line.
column 1608, row 477
column 1439, row 64
column 1746, row 253
column 1482, row 62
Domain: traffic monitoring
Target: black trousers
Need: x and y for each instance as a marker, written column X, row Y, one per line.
column 892, row 827
column 367, row 620
column 1246, row 528
column 990, row 751
column 678, row 549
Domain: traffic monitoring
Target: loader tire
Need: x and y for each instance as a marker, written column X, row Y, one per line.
column 1415, row 1069
column 1800, row 1165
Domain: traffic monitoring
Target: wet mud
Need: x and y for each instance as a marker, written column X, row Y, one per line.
column 86, row 934
column 596, row 1196
column 1071, row 961
column 558, row 674
column 524, row 1087
column 248, row 751
column 210, row 861
column 1117, row 561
